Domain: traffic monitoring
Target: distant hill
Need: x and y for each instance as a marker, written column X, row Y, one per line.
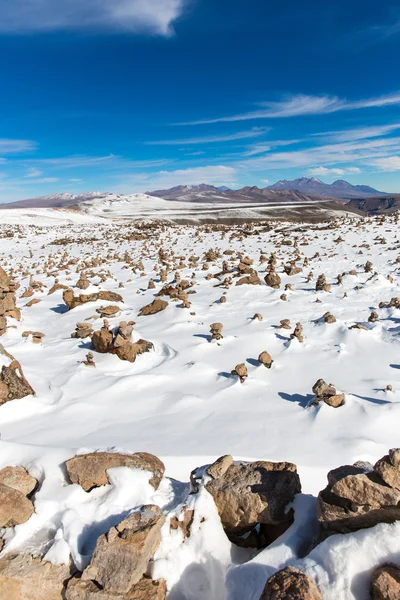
column 337, row 189
column 63, row 200
column 377, row 205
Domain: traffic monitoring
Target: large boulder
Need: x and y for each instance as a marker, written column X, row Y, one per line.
column 25, row 578
column 358, row 497
column 90, row 470
column 72, row 300
column 15, row 508
column 19, row 479
column 290, row 584
column 13, row 384
column 8, row 306
column 121, row 556
column 250, row 493
column 385, row 584
column 145, row 589
column 154, row 307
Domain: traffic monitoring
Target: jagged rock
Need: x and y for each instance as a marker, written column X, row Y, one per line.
column 90, row 470
column 145, row 589
column 265, row 359
column 102, row 339
column 25, row 578
column 252, row 279
column 15, row 508
column 385, row 583
column 19, row 479
column 327, row 393
column 13, row 385
column 388, row 468
column 122, row 555
column 130, row 350
column 250, row 493
column 216, row 331
column 290, row 584
column 183, row 522
column 73, row 301
column 241, row 371
column 82, row 331
column 273, row 280
column 154, row 307
column 359, row 499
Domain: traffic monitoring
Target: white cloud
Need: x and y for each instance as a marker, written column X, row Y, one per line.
column 359, row 134
column 14, row 146
column 74, row 180
column 321, row 171
column 32, row 172
column 300, row 105
column 389, row 163
column 152, row 16
column 240, row 135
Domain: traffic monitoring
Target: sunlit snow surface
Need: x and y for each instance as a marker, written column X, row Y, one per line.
column 180, row 402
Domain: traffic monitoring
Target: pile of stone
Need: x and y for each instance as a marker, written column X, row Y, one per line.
column 328, row 394
column 13, row 384
column 119, row 341
column 73, row 301
column 82, row 331
column 8, row 306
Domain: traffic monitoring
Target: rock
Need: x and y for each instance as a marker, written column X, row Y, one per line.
column 15, row 508
column 385, row 584
column 321, row 285
column 82, row 331
column 327, row 393
column 73, row 301
column 83, row 282
column 290, row 584
column 90, row 470
column 108, row 311
column 13, row 385
column 122, row 555
column 37, row 336
column 357, row 497
column 183, row 522
column 252, row 279
column 265, row 359
column 250, row 493
column 19, row 479
column 155, row 307
column 329, row 318
column 216, row 331
column 131, row 350
column 145, row 589
column 102, row 340
column 25, row 578
column 273, row 280
column 241, row 371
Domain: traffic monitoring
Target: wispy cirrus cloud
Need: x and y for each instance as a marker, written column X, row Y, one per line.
column 325, row 172
column 212, row 139
column 360, row 133
column 302, row 105
column 8, row 146
column 137, row 16
column 387, row 163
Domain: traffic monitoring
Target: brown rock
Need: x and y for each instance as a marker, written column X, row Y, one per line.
column 90, row 470
column 290, row 584
column 273, row 280
column 130, row 350
column 385, row 584
column 183, row 522
column 19, row 479
column 73, row 301
column 252, row 279
column 155, row 307
column 387, row 468
column 102, row 340
column 25, row 578
column 15, row 508
column 122, row 555
column 13, row 385
column 250, row 493
column 145, row 589
column 265, row 359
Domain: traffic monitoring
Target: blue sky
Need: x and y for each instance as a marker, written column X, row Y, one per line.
column 135, row 95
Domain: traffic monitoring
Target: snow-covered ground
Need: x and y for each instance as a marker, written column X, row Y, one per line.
column 180, row 401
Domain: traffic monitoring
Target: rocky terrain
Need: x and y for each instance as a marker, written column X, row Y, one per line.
column 199, row 411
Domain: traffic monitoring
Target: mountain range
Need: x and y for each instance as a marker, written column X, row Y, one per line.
column 302, row 190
